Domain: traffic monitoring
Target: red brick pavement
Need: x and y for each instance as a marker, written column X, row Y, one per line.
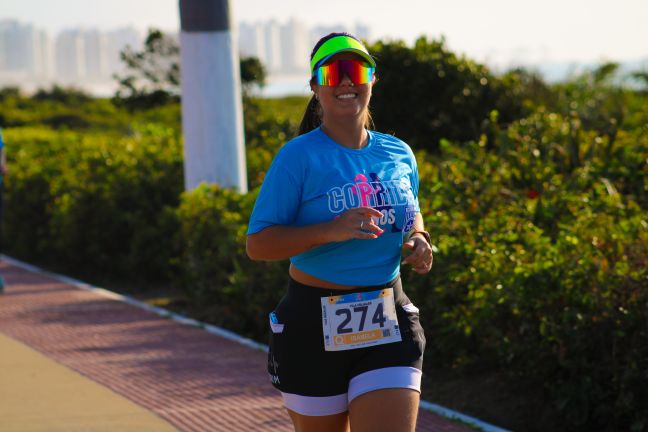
column 195, row 380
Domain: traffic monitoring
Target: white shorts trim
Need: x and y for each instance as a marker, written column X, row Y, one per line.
column 316, row 405
column 390, row 377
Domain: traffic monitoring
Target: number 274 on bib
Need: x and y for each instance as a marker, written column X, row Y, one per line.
column 359, row 320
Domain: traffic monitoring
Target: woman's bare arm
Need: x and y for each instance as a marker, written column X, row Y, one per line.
column 280, row 242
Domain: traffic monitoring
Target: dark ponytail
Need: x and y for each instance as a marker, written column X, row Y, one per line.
column 312, row 117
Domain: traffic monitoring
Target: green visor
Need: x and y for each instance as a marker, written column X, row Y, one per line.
column 336, row 45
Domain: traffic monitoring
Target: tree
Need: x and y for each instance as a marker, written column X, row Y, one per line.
column 253, row 74
column 641, row 77
column 427, row 93
column 9, row 92
column 152, row 76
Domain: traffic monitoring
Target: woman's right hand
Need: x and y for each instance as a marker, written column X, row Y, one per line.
column 355, row 223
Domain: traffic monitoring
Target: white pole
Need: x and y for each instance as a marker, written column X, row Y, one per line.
column 212, row 113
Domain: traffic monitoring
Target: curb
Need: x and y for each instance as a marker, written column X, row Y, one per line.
column 227, row 334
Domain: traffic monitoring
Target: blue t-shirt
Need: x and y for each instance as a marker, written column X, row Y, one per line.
column 313, row 179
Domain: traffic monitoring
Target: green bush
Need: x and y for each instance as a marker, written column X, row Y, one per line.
column 221, row 281
column 268, row 125
column 541, row 267
column 94, row 204
column 439, row 95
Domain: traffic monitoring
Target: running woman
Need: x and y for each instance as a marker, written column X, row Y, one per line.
column 341, row 202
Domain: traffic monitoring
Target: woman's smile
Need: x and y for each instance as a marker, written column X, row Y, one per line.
column 347, row 96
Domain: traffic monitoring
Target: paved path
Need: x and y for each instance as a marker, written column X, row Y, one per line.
column 183, row 376
column 41, row 395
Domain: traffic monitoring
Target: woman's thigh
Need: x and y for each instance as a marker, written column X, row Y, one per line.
column 393, row 410
column 330, row 423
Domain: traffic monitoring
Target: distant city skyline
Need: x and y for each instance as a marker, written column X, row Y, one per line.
column 31, row 57
column 284, row 48
column 555, row 37
column 500, row 33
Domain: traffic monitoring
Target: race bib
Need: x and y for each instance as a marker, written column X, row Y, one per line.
column 359, row 320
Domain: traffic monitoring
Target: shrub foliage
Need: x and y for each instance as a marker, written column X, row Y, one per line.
column 535, row 196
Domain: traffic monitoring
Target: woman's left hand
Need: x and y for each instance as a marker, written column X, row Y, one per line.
column 421, row 256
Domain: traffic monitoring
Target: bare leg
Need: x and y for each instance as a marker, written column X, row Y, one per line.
column 386, row 410
column 331, row 423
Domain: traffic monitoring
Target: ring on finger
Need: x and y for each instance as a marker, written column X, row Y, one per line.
column 361, row 224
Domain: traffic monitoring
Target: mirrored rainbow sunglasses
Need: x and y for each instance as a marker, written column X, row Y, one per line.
column 331, row 74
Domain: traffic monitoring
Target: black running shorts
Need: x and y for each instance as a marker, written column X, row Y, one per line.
column 318, row 382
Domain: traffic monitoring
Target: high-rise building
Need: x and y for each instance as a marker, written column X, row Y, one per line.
column 251, row 41
column 20, row 51
column 272, row 39
column 95, row 52
column 4, row 48
column 45, row 57
column 70, row 57
column 295, row 47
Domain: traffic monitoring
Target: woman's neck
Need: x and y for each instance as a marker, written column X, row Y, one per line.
column 348, row 134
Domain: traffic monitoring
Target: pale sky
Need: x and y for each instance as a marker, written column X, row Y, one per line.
column 494, row 30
